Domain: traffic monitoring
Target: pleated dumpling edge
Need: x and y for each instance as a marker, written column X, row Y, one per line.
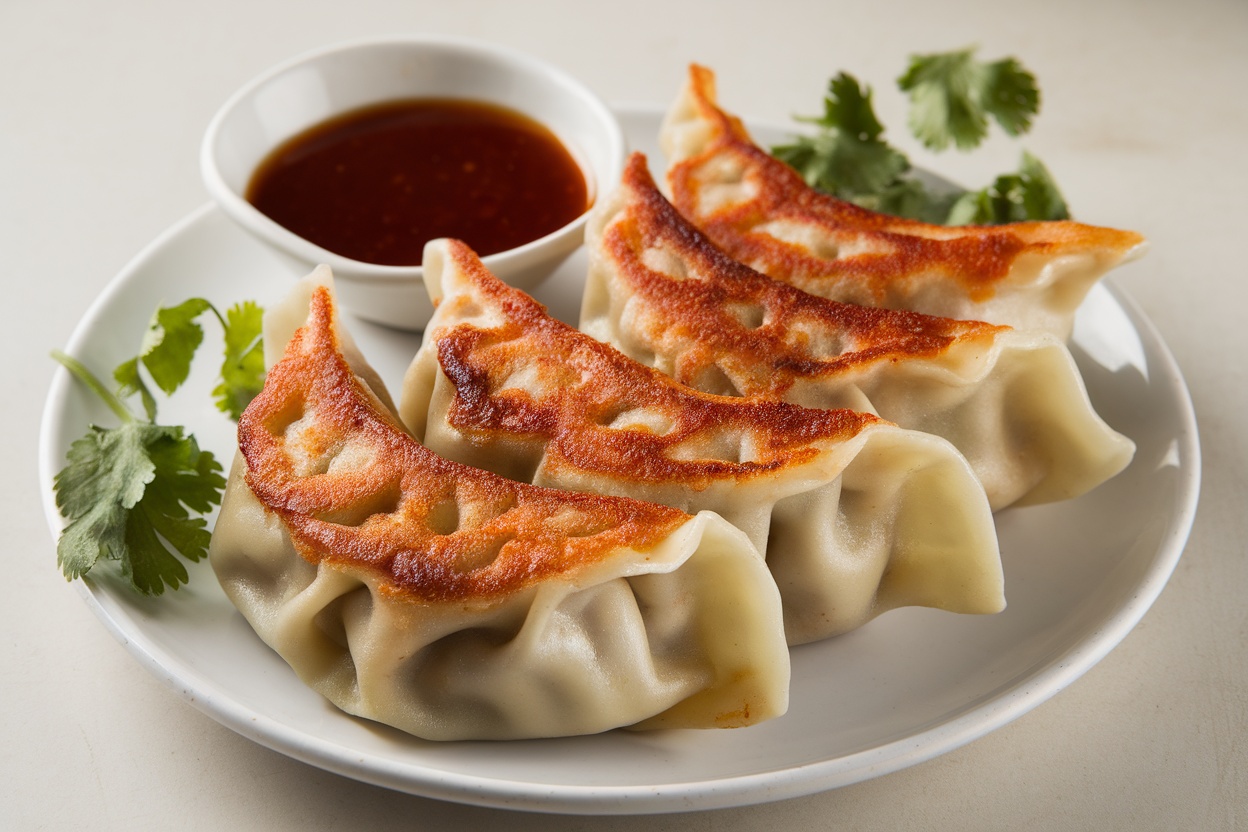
column 855, row 515
column 453, row 604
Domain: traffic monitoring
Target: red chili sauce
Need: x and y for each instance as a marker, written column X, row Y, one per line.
column 377, row 183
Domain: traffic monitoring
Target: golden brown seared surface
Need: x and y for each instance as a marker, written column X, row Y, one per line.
column 353, row 488
column 872, row 248
column 768, row 334
column 529, row 375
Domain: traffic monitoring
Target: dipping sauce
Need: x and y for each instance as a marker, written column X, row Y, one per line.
column 377, row 183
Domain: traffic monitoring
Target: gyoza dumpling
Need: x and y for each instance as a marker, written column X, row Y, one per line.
column 1029, row 275
column 1013, row 403
column 856, row 516
column 454, row 604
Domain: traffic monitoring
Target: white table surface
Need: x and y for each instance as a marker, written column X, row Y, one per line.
column 101, row 110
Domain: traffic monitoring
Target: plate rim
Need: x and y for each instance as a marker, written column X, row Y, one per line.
column 975, row 721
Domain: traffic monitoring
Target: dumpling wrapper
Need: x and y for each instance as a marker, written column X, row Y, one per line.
column 855, row 515
column 454, row 604
column 1013, row 403
column 1028, row 275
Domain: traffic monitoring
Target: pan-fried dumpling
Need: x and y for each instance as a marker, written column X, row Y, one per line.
column 1013, row 403
column 856, row 516
column 1029, row 275
column 454, row 604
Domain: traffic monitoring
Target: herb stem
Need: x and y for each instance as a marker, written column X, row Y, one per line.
column 220, row 318
column 80, row 372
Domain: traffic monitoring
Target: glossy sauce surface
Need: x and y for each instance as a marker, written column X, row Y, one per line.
column 376, row 184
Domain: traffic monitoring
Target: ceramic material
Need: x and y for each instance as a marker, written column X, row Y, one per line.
column 313, row 87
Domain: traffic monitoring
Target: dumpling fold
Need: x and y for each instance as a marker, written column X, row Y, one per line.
column 452, row 603
column 1028, row 275
column 1012, row 403
column 855, row 515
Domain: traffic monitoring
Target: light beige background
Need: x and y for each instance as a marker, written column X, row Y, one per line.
column 1146, row 112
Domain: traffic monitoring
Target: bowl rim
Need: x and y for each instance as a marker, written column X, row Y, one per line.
column 259, row 224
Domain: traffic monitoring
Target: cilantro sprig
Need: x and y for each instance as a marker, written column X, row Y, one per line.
column 847, row 157
column 1029, row 194
column 136, row 493
column 953, row 98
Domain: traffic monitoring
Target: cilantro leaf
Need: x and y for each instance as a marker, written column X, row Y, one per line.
column 242, row 372
column 103, row 462
column 170, row 343
column 909, row 197
column 952, row 95
column 128, row 492
column 848, row 108
column 1010, row 95
column 941, row 108
column 847, row 158
column 952, row 98
column 1030, row 194
column 133, row 494
column 975, row 207
column 184, row 478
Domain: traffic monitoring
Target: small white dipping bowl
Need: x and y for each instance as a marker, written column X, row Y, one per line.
column 327, row 82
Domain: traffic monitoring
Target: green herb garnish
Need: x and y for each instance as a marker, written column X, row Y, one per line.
column 1029, row 194
column 135, row 493
column 953, row 97
column 242, row 372
column 847, row 157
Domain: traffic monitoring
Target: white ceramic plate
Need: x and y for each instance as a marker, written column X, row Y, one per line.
column 907, row 687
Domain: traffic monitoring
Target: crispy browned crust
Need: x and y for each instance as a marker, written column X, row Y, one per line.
column 768, row 333
column 886, row 249
column 583, row 385
column 434, row 530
